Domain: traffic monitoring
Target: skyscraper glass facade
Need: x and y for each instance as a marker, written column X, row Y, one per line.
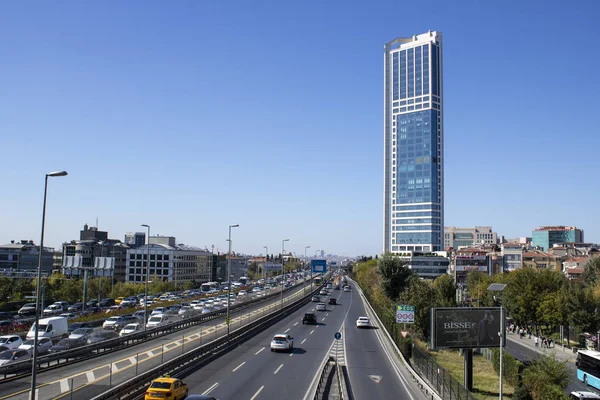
column 413, row 203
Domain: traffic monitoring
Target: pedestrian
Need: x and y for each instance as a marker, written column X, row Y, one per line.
column 536, row 341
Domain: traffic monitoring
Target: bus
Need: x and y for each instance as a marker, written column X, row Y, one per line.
column 244, row 280
column 209, row 287
column 318, row 280
column 588, row 367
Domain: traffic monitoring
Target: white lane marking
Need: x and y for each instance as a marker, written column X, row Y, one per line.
column 295, row 324
column 291, row 354
column 132, row 360
column 257, row 392
column 64, row 385
column 278, row 368
column 150, row 353
column 238, row 367
column 259, row 351
column 327, row 315
column 323, row 319
column 114, row 367
column 287, row 330
column 210, row 389
column 302, row 342
column 90, row 376
column 312, row 309
column 311, row 332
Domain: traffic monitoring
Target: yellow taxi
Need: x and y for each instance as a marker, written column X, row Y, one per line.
column 119, row 300
column 167, row 388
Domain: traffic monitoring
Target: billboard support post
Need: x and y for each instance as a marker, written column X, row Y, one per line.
column 468, row 367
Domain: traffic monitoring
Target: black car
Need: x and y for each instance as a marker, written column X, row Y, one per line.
column 75, row 307
column 333, row 301
column 309, row 318
column 67, row 344
column 105, row 303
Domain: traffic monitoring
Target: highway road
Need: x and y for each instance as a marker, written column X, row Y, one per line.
column 524, row 352
column 253, row 372
column 91, row 377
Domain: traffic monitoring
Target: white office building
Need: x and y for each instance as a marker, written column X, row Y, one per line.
column 413, row 144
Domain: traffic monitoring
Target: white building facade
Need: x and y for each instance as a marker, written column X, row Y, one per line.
column 178, row 264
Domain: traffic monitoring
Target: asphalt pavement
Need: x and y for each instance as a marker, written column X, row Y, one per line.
column 91, row 377
column 252, row 371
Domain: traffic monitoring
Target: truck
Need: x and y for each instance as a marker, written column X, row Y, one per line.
column 54, row 328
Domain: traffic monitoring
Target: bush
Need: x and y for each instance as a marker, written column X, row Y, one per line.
column 510, row 367
column 405, row 345
column 522, row 393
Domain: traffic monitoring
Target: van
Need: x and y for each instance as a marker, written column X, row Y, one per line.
column 53, row 328
column 583, row 396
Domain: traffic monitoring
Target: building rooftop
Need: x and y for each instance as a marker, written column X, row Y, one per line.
column 555, row 228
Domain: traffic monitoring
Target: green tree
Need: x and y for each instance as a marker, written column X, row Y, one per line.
column 546, row 378
column 591, row 270
column 444, row 291
column 419, row 293
column 582, row 309
column 476, row 285
column 395, row 275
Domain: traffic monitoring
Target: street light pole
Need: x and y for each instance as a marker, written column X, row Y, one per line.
column 39, row 284
column 282, row 268
column 229, row 277
column 499, row 287
column 304, row 269
column 266, row 258
column 147, row 279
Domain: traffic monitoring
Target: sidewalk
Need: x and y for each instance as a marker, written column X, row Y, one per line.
column 566, row 354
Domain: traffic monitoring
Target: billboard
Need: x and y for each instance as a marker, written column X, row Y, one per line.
column 465, row 327
column 270, row 266
column 405, row 314
column 318, row 266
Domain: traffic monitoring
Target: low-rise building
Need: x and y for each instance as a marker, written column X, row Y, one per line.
column 545, row 237
column 427, row 265
column 455, row 238
column 24, row 256
column 540, row 259
column 466, row 260
column 512, row 256
column 178, row 264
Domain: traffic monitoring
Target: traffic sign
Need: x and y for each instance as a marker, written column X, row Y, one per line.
column 405, row 314
column 404, row 333
column 318, row 266
column 227, row 320
column 337, row 336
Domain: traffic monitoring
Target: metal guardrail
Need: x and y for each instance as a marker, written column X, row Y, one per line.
column 325, row 379
column 184, row 364
column 47, row 362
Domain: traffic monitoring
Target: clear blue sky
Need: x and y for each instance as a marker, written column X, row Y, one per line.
column 194, row 115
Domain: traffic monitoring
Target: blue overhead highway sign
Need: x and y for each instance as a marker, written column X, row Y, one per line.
column 318, row 266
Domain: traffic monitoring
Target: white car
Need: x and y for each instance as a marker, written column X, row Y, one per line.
column 346, row 288
column 159, row 310
column 242, row 293
column 68, row 315
column 11, row 341
column 281, row 341
column 157, row 320
column 321, row 307
column 81, row 333
column 131, row 328
column 363, row 322
column 44, row 344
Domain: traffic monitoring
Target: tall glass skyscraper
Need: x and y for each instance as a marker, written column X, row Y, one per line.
column 414, row 144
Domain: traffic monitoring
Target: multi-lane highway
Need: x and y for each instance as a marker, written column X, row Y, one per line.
column 91, row 377
column 252, row 371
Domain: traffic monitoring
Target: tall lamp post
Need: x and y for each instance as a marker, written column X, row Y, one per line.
column 304, row 272
column 229, row 276
column 282, row 268
column 39, row 285
column 265, row 266
column 499, row 287
column 147, row 278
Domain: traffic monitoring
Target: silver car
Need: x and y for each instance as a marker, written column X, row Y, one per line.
column 187, row 312
column 281, row 341
column 44, row 344
column 81, row 333
column 10, row 356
